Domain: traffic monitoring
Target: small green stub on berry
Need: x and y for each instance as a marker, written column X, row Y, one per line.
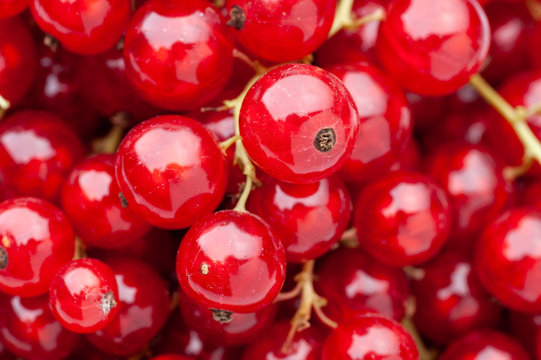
column 123, row 200
column 204, row 268
column 236, row 17
column 222, row 316
column 325, row 140
column 107, row 302
column 3, row 258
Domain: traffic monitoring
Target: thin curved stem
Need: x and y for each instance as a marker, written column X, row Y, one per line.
column 226, row 144
column 349, row 238
column 254, row 64
column 377, row 15
column 342, row 16
column 109, row 143
column 80, row 249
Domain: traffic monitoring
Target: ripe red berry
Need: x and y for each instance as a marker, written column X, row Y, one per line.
column 91, row 192
column 403, row 218
column 178, row 55
column 231, row 261
column 171, row 171
column 36, row 240
column 83, row 26
column 171, row 357
column 37, row 151
column 369, row 337
column 29, row 330
column 307, row 218
column 433, row 47
column 281, row 31
column 9, row 8
column 313, row 120
column 143, row 308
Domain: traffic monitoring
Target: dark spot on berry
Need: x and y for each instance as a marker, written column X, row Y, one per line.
column 236, row 17
column 108, row 302
column 325, row 140
column 123, row 200
column 204, row 268
column 3, row 258
column 222, row 316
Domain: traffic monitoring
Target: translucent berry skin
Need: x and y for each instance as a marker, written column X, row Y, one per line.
column 433, row 47
column 143, row 308
column 91, row 192
column 485, row 344
column 403, row 218
column 242, row 329
column 281, row 31
column 83, row 295
column 171, row 171
column 507, row 261
column 369, row 337
column 475, row 185
column 178, row 72
column 29, row 330
column 37, row 240
column 83, row 26
column 305, row 346
column 37, row 150
column 9, row 8
column 354, row 284
column 451, row 300
column 307, row 218
column 18, row 58
column 385, row 117
column 313, row 119
column 243, row 274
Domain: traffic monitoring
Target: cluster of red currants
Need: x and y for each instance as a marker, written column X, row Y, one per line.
column 325, row 180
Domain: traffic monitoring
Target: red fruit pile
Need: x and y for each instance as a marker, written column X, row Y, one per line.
column 270, row 179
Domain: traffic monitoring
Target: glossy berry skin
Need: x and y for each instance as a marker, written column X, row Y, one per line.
column 305, row 346
column 485, row 344
column 29, row 330
column 243, row 274
column 171, row 171
column 475, row 185
column 313, row 120
column 83, row 26
column 91, row 192
column 281, row 31
column 83, row 295
column 37, row 150
column 450, row 300
column 403, row 218
column 507, row 261
column 369, row 337
column 354, row 284
column 36, row 241
column 143, row 308
column 433, row 47
column 385, row 117
column 172, row 71
column 9, row 8
column 242, row 329
column 18, row 58
column 307, row 218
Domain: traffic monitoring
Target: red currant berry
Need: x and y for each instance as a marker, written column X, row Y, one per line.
column 354, row 284
column 178, row 55
column 9, row 8
column 83, row 26
column 83, row 295
column 369, row 337
column 242, row 274
column 433, row 47
column 535, row 51
column 281, row 31
column 29, row 330
column 475, row 185
column 485, row 344
column 36, row 240
column 403, row 218
column 313, row 120
column 143, row 308
column 171, row 357
column 450, row 300
column 18, row 59
column 91, row 192
column 385, row 118
column 508, row 261
column 37, row 150
column 307, row 218
column 305, row 346
column 171, row 171
column 242, row 329
column 526, row 328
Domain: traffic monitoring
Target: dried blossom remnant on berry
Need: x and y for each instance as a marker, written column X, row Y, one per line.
column 108, row 303
column 204, row 268
column 3, row 258
column 222, row 316
column 325, row 140
column 123, row 200
column 237, row 18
